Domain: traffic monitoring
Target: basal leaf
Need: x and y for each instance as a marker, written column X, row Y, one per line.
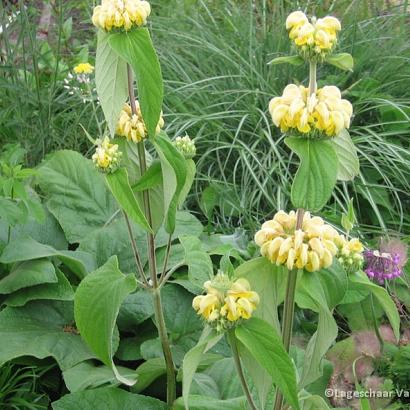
column 61, row 290
column 110, row 80
column 96, row 305
column 26, row 249
column 316, row 177
column 76, row 194
column 136, row 48
column 86, row 375
column 42, row 329
column 26, row 274
column 107, row 398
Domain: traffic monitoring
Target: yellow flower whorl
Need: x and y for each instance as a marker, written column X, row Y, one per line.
column 83, row 68
column 132, row 126
column 315, row 37
column 323, row 112
column 312, row 247
column 350, row 254
column 121, row 14
column 106, row 157
column 225, row 301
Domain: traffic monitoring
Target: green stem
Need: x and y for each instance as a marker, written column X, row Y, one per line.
column 159, row 313
column 9, row 228
column 312, row 77
column 289, row 308
column 238, row 365
column 137, row 257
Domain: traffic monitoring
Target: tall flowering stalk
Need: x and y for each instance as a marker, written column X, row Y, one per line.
column 311, row 117
column 121, row 24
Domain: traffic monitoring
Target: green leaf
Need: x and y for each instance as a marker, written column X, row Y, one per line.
column 96, row 305
column 190, row 176
column 348, row 161
column 39, row 329
column 27, row 274
column 294, row 60
column 113, row 239
column 200, row 268
column 135, row 309
column 12, row 212
column 192, row 359
column 148, row 372
column 61, row 290
column 86, row 375
column 269, row 281
column 173, row 166
column 180, row 318
column 107, row 398
column 265, row 345
column 380, row 293
column 343, row 61
column 151, row 178
column 48, row 232
column 76, row 194
column 196, row 402
column 26, row 249
column 121, row 189
column 136, row 48
column 110, row 80
column 316, row 177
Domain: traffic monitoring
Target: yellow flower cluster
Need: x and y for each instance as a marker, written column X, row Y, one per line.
column 312, row 247
column 323, row 111
column 350, row 254
column 83, row 68
column 316, row 37
column 106, row 157
column 225, row 301
column 132, row 126
column 121, row 14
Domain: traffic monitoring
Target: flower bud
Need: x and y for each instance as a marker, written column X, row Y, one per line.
column 106, row 157
column 185, row 146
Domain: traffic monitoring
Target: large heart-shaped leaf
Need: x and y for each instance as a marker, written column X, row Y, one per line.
column 136, row 48
column 26, row 274
column 26, row 249
column 42, row 329
column 97, row 303
column 76, row 194
column 316, row 177
column 110, row 80
column 61, row 290
column 265, row 345
column 107, row 398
